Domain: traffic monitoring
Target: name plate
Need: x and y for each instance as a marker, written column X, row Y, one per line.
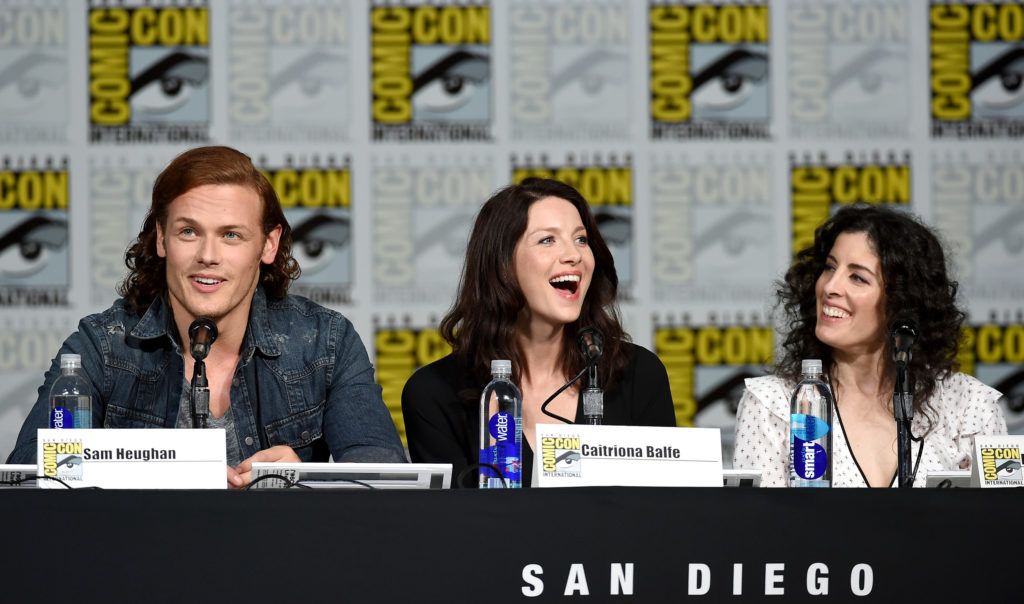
column 132, row 459
column 997, row 461
column 579, row 455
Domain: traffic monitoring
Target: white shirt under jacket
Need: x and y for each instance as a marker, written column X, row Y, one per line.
column 961, row 406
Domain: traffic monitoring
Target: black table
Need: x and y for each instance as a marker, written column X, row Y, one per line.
column 938, row 545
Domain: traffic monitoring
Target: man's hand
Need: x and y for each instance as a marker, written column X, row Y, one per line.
column 241, row 475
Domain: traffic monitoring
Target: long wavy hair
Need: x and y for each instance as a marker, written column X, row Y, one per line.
column 481, row 324
column 147, row 272
column 917, row 287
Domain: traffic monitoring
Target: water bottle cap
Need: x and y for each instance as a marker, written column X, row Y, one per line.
column 501, row 367
column 68, row 361
column 810, row 366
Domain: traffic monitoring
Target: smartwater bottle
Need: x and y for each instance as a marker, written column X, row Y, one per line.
column 501, row 430
column 810, row 429
column 70, row 403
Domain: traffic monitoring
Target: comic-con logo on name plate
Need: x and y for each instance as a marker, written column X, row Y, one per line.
column 976, row 63
column 709, row 71
column 606, row 182
column 569, row 73
column 62, row 460
column 148, row 72
column 430, row 71
column 848, row 68
column 34, row 241
column 34, row 72
column 316, row 195
column 1001, row 466
column 819, row 187
column 561, row 456
column 399, row 351
column 289, row 71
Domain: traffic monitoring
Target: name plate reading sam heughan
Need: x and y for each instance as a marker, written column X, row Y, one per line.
column 132, row 459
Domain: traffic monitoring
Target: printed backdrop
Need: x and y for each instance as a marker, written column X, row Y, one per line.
column 710, row 139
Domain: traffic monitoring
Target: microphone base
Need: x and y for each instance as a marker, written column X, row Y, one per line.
column 594, row 420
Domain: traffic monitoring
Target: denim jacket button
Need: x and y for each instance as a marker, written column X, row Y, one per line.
column 249, row 440
column 305, row 435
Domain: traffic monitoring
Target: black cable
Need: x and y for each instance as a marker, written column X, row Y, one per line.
column 297, row 484
column 544, row 405
column 460, row 479
column 36, row 478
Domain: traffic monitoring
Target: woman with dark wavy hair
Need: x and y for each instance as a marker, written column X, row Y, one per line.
column 867, row 268
column 536, row 272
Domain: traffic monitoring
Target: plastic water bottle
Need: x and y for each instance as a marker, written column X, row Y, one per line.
column 70, row 403
column 810, row 429
column 501, row 430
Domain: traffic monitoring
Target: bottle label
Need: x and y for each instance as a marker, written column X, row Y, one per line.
column 505, row 453
column 61, row 417
column 810, row 459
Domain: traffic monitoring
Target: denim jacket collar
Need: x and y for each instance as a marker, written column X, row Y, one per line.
column 158, row 322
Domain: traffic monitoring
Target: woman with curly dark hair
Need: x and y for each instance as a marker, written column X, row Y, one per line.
column 536, row 272
column 867, row 268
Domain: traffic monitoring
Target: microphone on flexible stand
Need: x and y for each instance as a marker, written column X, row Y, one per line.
column 591, row 342
column 904, row 333
column 201, row 335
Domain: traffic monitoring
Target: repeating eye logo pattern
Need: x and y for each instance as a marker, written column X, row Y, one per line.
column 165, row 86
column 28, row 81
column 308, row 80
column 451, row 81
column 728, row 81
column 996, row 86
column 317, row 239
column 26, row 248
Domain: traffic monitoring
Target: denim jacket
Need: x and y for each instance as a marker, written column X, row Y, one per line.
column 303, row 363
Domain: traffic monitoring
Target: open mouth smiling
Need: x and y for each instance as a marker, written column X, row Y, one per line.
column 566, row 283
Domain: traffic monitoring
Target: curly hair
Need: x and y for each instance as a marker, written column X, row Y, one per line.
column 917, row 287
column 481, row 324
column 214, row 165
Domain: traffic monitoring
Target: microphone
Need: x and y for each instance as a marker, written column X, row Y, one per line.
column 904, row 334
column 591, row 343
column 201, row 335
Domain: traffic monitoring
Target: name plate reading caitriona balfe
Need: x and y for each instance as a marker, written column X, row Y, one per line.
column 583, row 456
column 132, row 459
column 997, row 461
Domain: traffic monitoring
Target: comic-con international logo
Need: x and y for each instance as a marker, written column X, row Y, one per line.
column 1001, row 466
column 606, row 182
column 27, row 346
column 34, row 254
column 569, row 72
column 994, row 353
column 120, row 189
column 711, row 236
column 316, row 195
column 288, row 70
column 707, row 365
column 561, row 456
column 423, row 212
column 978, row 205
column 33, row 72
column 976, row 65
column 848, row 68
column 709, row 70
column 62, row 460
column 819, row 187
column 430, row 71
column 401, row 350
column 148, row 71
